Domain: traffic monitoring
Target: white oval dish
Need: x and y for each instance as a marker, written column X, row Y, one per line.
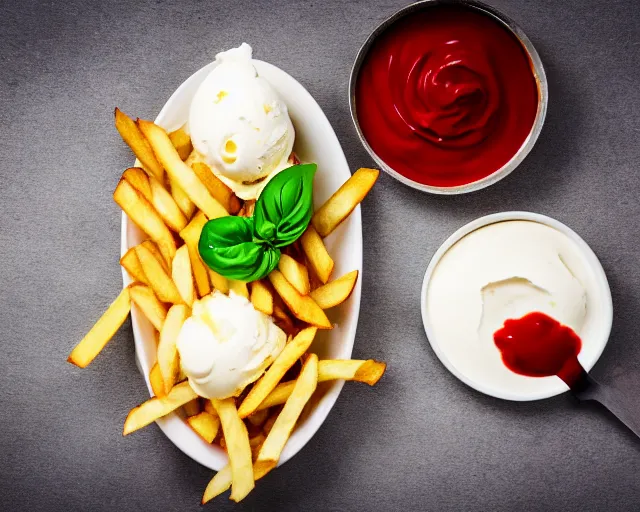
column 315, row 142
column 594, row 339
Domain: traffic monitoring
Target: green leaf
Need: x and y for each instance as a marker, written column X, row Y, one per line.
column 226, row 246
column 284, row 208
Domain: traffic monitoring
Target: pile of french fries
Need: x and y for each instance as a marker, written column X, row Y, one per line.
column 169, row 194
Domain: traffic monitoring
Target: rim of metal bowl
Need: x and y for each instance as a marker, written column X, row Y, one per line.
column 537, row 69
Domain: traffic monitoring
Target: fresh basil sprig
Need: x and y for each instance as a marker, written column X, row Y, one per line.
column 247, row 249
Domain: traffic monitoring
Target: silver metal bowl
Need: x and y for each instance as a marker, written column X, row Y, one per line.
column 538, row 72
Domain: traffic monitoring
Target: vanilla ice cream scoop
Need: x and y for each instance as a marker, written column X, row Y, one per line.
column 227, row 344
column 239, row 125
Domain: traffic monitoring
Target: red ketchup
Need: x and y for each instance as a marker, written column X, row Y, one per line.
column 536, row 345
column 446, row 96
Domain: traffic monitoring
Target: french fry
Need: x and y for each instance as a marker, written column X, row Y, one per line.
column 221, row 481
column 294, row 272
column 157, row 276
column 155, row 378
column 316, row 253
column 131, row 264
column 182, row 142
column 335, row 292
column 191, row 236
column 168, row 360
column 219, row 282
column 338, row 207
column 261, row 298
column 258, row 417
column 153, row 248
column 139, row 180
column 102, row 331
column 205, row 425
column 285, row 360
column 238, row 448
column 192, row 408
column 182, row 275
column 179, row 171
column 239, row 288
column 149, row 304
column 218, row 190
column 155, row 408
column 132, row 135
column 182, row 199
column 302, row 306
column 368, row 371
column 256, row 443
column 275, row 442
column 208, row 406
column 166, row 206
column 284, row 321
column 144, row 215
column 268, row 425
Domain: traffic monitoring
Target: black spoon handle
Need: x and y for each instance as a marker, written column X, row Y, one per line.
column 614, row 399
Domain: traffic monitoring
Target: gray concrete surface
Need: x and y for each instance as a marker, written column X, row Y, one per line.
column 421, row 440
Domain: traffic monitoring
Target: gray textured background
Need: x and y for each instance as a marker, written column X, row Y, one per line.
column 420, row 440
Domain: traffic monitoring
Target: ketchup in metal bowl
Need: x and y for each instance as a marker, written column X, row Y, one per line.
column 446, row 96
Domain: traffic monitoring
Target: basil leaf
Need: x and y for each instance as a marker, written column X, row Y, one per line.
column 284, row 208
column 226, row 246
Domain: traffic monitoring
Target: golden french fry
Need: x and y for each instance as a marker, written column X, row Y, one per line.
column 102, row 331
column 131, row 264
column 302, row 306
column 139, row 180
column 256, row 443
column 155, row 378
column 285, row 360
column 205, row 425
column 191, row 408
column 179, row 171
column 258, row 417
column 279, row 435
column 238, row 448
column 182, row 142
column 221, row 481
column 219, row 282
column 239, row 288
column 157, row 276
column 284, row 321
column 208, row 406
column 316, row 253
column 168, row 359
column 191, row 236
column 166, row 206
column 268, row 425
column 335, row 292
column 144, row 215
column 218, row 190
column 261, row 298
column 149, row 304
column 182, row 199
column 182, row 275
column 294, row 272
column 132, row 135
column 367, row 371
column 156, row 408
column 338, row 207
column 153, row 248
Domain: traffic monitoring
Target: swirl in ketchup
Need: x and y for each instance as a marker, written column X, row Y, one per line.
column 446, row 96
